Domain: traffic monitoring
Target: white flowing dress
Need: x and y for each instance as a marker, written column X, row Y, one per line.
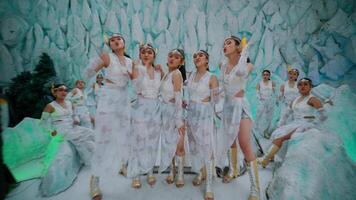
column 93, row 98
column 146, row 123
column 300, row 110
column 200, row 122
column 64, row 168
column 316, row 165
column 112, row 120
column 234, row 108
column 172, row 119
column 290, row 93
column 265, row 108
column 79, row 101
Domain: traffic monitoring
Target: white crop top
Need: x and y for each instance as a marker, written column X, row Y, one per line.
column 199, row 90
column 302, row 108
column 62, row 116
column 79, row 99
column 266, row 91
column 236, row 80
column 117, row 73
column 148, row 88
column 290, row 93
column 166, row 89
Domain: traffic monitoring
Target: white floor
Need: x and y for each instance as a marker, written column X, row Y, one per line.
column 118, row 187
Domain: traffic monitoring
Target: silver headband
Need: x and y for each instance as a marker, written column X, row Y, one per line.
column 306, row 80
column 62, row 86
column 203, row 52
column 176, row 51
column 233, row 38
column 147, row 46
column 114, row 35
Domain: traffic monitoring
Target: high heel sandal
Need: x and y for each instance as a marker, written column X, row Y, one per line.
column 180, row 178
column 136, row 183
column 233, row 171
column 151, row 179
column 95, row 191
column 172, row 173
column 209, row 194
column 123, row 170
column 200, row 177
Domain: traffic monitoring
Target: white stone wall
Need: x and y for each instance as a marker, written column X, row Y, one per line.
column 317, row 37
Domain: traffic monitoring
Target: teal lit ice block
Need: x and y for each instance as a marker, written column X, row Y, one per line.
column 24, row 148
column 30, row 152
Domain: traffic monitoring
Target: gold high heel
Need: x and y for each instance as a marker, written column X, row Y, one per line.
column 95, row 191
column 180, row 178
column 171, row 176
column 123, row 170
column 209, row 196
column 200, row 177
column 264, row 161
column 151, row 179
column 233, row 170
column 254, row 181
column 136, row 183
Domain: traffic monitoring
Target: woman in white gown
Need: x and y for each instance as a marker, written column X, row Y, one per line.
column 307, row 111
column 264, row 113
column 288, row 92
column 112, row 124
column 78, row 97
column 317, row 164
column 93, row 96
column 58, row 118
column 203, row 92
column 236, row 115
column 173, row 127
column 146, row 118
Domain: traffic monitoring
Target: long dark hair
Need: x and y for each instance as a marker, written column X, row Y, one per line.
column 182, row 67
column 183, row 72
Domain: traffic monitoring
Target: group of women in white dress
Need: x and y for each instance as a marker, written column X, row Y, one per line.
column 171, row 106
column 268, row 99
column 306, row 112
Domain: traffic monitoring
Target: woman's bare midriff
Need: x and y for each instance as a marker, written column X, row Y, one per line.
column 109, row 81
column 240, row 93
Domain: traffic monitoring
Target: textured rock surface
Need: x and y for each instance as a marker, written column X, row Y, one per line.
column 316, row 36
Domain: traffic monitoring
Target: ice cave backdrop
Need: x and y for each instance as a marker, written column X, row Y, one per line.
column 316, row 36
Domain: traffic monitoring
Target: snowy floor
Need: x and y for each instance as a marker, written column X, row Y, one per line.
column 118, row 187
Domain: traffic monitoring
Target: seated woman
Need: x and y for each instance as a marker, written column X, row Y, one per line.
column 317, row 164
column 307, row 112
column 77, row 143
